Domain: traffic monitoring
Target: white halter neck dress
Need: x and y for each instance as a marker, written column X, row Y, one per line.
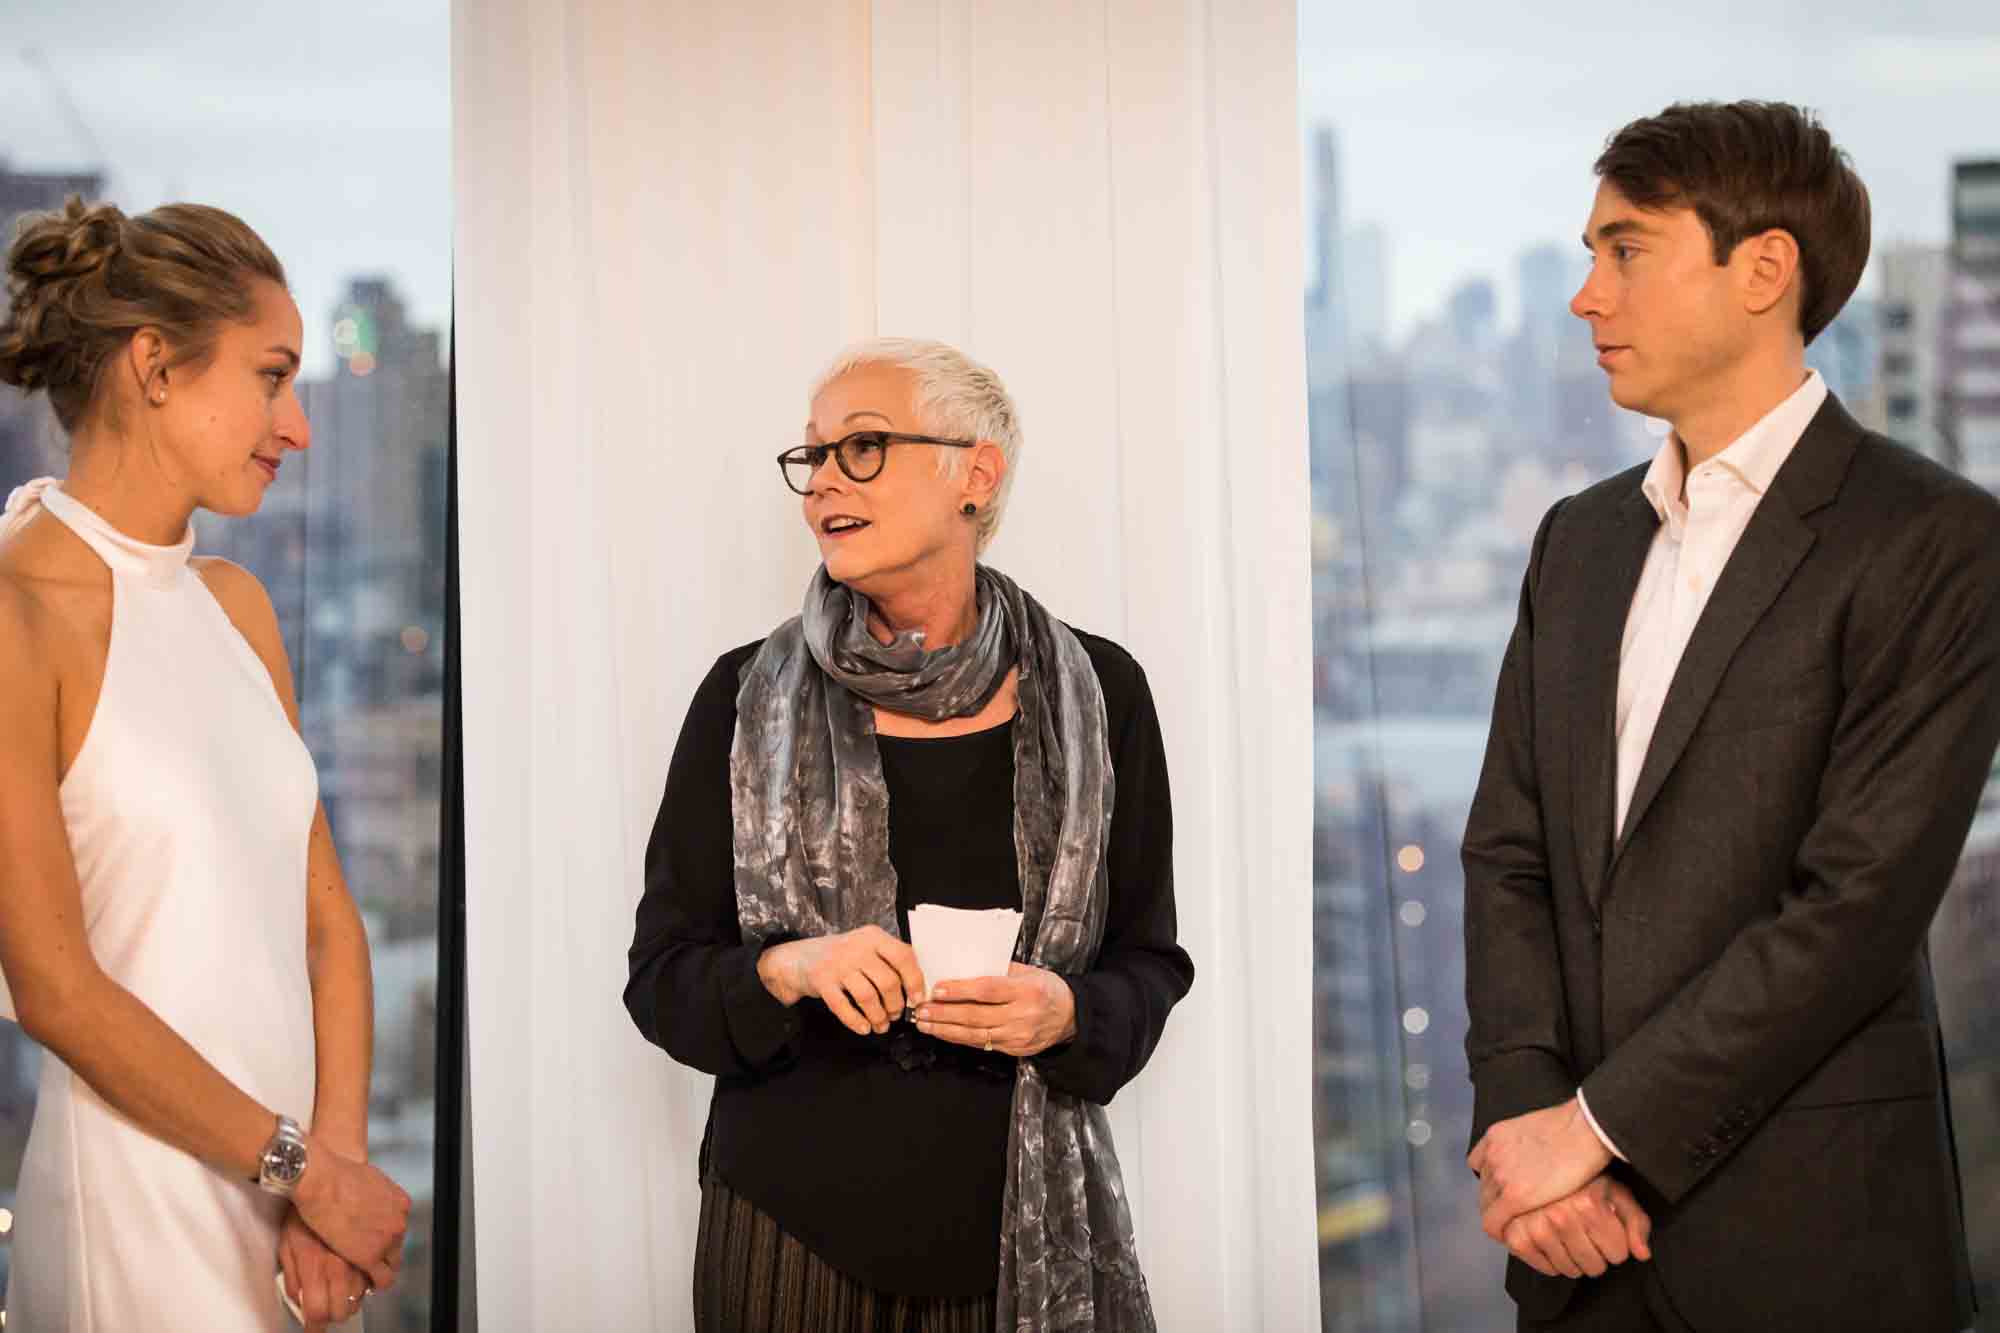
column 188, row 811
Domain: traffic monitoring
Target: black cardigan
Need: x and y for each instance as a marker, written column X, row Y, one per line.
column 886, row 1155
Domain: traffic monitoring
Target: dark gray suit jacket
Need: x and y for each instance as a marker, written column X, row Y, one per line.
column 1741, row 985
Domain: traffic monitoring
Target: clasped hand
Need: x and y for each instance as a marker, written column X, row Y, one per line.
column 342, row 1237
column 326, row 1288
column 867, row 978
column 1544, row 1195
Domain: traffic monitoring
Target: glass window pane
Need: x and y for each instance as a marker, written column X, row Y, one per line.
column 327, row 129
column 1454, row 398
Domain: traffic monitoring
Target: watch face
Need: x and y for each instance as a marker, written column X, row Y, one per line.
column 285, row 1162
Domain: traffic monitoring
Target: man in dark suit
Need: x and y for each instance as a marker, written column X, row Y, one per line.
column 1741, row 730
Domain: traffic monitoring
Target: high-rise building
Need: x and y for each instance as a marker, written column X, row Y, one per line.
column 29, row 440
column 1967, row 975
column 1326, row 301
column 1904, row 402
column 1556, row 398
column 1365, row 256
column 390, row 386
column 1474, row 308
column 1847, row 352
column 1357, row 434
column 1549, row 276
column 40, row 192
column 1969, row 411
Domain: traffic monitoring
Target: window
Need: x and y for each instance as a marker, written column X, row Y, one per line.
column 329, row 134
column 1454, row 399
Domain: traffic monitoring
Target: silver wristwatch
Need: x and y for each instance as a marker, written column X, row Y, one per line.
column 284, row 1159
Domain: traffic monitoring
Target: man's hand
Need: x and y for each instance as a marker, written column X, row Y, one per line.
column 1023, row 1013
column 1584, row 1234
column 1534, row 1159
column 327, row 1288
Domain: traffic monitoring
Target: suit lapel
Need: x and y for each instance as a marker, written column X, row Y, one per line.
column 1618, row 559
column 1772, row 546
column 1758, row 570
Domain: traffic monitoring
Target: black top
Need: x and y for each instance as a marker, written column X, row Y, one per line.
column 886, row 1155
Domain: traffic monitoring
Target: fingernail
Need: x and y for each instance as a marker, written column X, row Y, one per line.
column 924, row 1015
column 923, row 1025
column 938, row 993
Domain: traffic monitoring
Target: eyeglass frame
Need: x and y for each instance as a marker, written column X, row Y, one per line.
column 839, row 454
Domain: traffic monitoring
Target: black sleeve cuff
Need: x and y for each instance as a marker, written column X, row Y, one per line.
column 1079, row 1066
column 763, row 1030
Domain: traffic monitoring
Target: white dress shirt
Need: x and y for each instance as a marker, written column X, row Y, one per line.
column 1702, row 516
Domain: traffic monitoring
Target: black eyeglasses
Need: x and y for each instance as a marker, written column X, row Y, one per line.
column 859, row 455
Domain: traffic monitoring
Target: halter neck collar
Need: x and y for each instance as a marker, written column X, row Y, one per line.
column 160, row 566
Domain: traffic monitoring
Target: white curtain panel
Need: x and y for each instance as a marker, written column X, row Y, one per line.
column 670, row 215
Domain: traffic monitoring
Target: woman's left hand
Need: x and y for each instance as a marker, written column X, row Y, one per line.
column 327, row 1288
column 1023, row 1013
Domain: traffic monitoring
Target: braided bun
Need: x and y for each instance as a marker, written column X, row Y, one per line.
column 82, row 282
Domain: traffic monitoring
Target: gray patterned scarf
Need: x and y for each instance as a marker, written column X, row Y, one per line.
column 811, row 816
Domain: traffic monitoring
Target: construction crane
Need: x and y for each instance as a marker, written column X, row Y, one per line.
column 78, row 126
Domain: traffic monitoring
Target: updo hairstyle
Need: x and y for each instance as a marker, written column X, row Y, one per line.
column 82, row 281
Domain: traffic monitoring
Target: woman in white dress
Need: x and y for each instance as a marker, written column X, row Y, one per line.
column 174, row 928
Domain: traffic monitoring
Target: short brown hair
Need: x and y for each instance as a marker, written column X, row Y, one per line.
column 1746, row 168
column 82, row 281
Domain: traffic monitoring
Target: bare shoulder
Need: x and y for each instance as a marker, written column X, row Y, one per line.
column 242, row 597
column 38, row 593
column 19, row 627
column 249, row 608
column 27, row 666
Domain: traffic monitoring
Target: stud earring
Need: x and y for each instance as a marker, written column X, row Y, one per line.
column 160, row 397
column 969, row 509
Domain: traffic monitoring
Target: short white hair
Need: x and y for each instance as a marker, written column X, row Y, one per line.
column 955, row 397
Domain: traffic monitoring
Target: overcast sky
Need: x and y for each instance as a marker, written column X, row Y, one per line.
column 1467, row 129
column 325, row 126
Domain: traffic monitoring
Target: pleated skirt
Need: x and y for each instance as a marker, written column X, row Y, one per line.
column 752, row 1277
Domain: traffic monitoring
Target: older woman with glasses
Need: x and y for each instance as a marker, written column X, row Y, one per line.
column 887, row 1150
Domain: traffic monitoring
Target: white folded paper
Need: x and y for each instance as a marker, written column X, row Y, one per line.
column 954, row 943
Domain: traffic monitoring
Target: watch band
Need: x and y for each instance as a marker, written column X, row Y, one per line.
column 283, row 1162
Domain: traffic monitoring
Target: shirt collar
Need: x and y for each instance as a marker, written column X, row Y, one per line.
column 1753, row 457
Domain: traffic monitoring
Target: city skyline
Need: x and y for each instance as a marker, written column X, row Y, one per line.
column 1507, row 118
column 329, row 131
column 1489, row 146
